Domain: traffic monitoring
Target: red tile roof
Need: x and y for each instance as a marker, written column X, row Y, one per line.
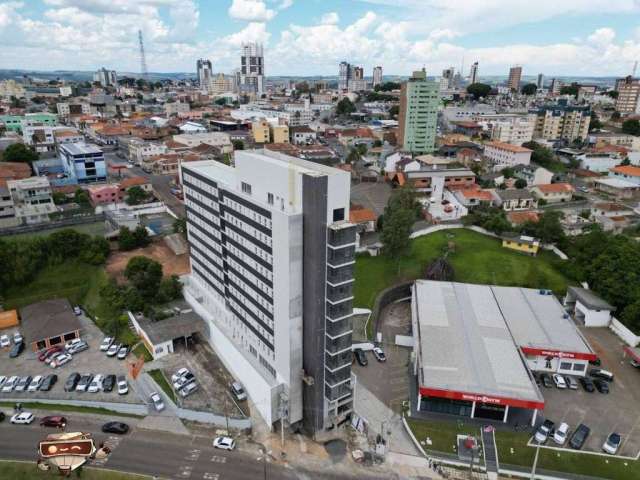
column 509, row 147
column 555, row 188
column 628, row 170
column 518, row 218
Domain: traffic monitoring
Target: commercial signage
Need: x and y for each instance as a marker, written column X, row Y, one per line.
column 542, row 352
column 480, row 398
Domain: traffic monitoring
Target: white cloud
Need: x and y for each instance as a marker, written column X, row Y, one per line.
column 254, row 10
column 285, row 4
column 253, row 32
column 330, row 18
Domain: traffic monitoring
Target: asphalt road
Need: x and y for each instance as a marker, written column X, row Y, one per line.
column 153, row 453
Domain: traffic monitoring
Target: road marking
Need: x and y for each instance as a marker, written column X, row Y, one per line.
column 185, row 472
column 111, row 443
column 193, row 455
column 218, row 459
column 211, row 476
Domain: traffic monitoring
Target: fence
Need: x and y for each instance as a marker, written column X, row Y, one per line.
column 386, row 297
column 626, row 335
column 67, row 222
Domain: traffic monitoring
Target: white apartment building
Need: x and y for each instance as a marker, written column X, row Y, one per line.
column 502, row 154
column 39, row 136
column 272, row 257
column 139, row 150
column 628, row 101
column 66, row 109
column 175, row 108
column 32, row 199
column 515, row 129
column 598, row 162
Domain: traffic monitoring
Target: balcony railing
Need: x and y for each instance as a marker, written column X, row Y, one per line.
column 340, row 310
column 341, row 327
column 335, row 362
column 341, row 256
column 339, row 344
column 339, row 293
column 338, row 392
column 339, row 275
column 336, row 378
column 341, row 236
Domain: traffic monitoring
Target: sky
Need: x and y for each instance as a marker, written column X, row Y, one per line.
column 310, row 37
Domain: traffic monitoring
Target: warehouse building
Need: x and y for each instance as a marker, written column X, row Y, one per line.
column 48, row 323
column 476, row 347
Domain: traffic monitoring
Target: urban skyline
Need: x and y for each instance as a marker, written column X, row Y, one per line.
column 366, row 32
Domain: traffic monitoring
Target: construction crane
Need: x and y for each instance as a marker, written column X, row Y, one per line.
column 143, row 61
column 635, row 67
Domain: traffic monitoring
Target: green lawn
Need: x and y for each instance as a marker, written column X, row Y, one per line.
column 142, row 350
column 162, row 381
column 477, row 259
column 513, row 450
column 72, row 280
column 29, row 471
column 60, row 407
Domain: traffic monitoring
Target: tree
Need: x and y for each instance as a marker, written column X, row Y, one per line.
column 394, row 111
column 81, row 197
column 570, row 89
column 145, row 275
column 595, row 123
column 548, row 227
column 221, row 101
column 520, row 184
column 136, row 195
column 238, row 144
column 615, row 116
column 613, row 94
column 180, row 226
column 543, row 156
column 354, row 156
column 59, row 198
column 479, row 90
column 529, row 89
column 345, row 107
column 19, row 152
column 401, row 212
column 632, row 127
column 141, row 237
column 126, row 241
column 387, row 87
column 170, row 289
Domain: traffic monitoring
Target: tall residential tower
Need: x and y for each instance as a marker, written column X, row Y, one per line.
column 377, row 76
column 272, row 257
column 515, row 75
column 418, row 117
column 252, row 67
column 203, row 67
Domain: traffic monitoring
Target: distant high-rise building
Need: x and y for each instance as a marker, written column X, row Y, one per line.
column 515, row 75
column 106, row 78
column 203, row 68
column 377, row 76
column 556, row 85
column 628, row 101
column 418, row 116
column 344, row 76
column 540, row 82
column 252, row 67
column 447, row 78
column 473, row 73
column 358, row 73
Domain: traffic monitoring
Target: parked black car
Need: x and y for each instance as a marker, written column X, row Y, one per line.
column 579, row 436
column 601, row 373
column 361, row 357
column 16, row 350
column 601, row 385
column 1, row 416
column 587, row 384
column 546, row 380
column 108, row 383
column 48, row 382
column 115, row 427
column 72, row 381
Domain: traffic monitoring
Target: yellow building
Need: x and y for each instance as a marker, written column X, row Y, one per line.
column 260, row 131
column 524, row 244
column 279, row 134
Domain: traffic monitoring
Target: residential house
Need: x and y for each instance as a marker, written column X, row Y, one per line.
column 524, row 244
column 553, row 192
column 364, row 218
column 618, row 188
column 473, row 197
column 434, row 181
column 105, row 194
column 533, row 174
column 32, row 199
column 516, row 199
column 302, row 135
column 142, row 182
column 217, row 139
column 521, row 217
column 629, row 173
column 600, row 162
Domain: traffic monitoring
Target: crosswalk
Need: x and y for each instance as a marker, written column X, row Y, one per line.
column 111, row 443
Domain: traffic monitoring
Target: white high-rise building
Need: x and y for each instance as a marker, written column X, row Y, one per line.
column 252, row 67
column 203, row 67
column 473, row 73
column 377, row 76
column 272, row 258
column 106, row 78
column 344, row 76
column 540, row 82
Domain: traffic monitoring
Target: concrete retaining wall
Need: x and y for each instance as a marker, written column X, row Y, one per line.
column 626, row 335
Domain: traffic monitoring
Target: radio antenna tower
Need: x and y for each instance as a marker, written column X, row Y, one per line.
column 143, row 61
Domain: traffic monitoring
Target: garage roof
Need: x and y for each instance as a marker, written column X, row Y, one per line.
column 465, row 345
column 183, row 323
column 46, row 319
column 590, row 299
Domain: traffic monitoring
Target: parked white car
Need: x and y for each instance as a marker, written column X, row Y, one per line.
column 612, row 443
column 4, row 341
column 113, row 350
column 17, row 337
column 106, row 344
column 35, row 383
column 24, row 417
column 560, row 435
column 60, row 360
column 10, row 384
column 379, row 354
column 224, row 443
column 71, row 343
column 179, row 374
column 157, row 401
column 123, row 387
column 96, row 384
column 559, row 381
column 188, row 389
column 3, row 380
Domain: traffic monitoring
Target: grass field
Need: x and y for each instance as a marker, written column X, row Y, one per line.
column 477, row 259
column 73, row 280
column 60, row 407
column 29, row 471
column 162, row 381
column 142, row 350
column 513, row 450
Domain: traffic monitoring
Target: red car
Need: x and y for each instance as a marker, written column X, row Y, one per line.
column 48, row 353
column 53, row 421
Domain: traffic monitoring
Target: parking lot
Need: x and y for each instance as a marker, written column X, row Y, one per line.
column 212, row 377
column 91, row 361
column 602, row 413
column 371, row 195
column 395, row 320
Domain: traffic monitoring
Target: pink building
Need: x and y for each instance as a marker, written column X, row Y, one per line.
column 101, row 194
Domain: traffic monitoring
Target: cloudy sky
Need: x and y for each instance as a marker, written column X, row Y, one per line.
column 309, row 37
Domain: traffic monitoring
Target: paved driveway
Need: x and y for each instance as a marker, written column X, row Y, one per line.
column 371, row 195
column 616, row 412
column 90, row 361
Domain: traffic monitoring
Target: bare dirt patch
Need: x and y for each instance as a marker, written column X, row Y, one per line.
column 172, row 264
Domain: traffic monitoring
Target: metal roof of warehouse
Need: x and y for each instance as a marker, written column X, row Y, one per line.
column 465, row 345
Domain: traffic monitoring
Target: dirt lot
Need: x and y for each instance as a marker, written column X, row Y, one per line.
column 90, row 361
column 158, row 250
